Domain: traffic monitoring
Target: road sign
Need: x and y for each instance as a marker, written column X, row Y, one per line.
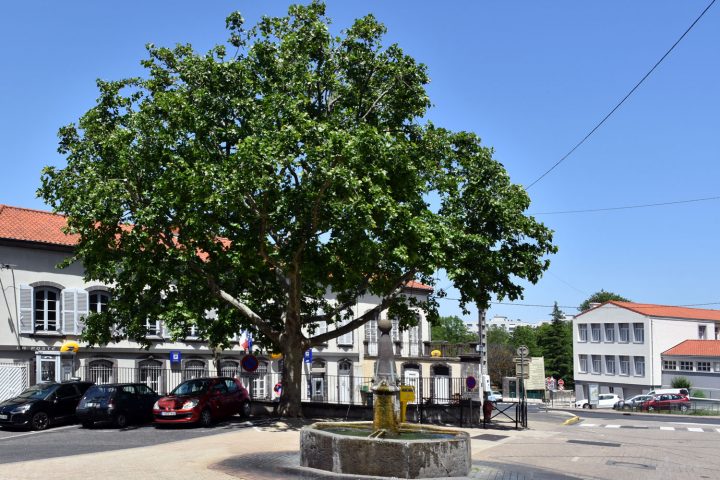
column 470, row 382
column 523, row 351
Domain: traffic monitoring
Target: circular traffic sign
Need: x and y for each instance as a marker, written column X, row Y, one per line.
column 523, row 351
column 249, row 363
column 470, row 382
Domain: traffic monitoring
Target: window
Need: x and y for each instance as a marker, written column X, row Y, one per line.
column 639, row 366
column 583, row 364
column 152, row 328
column 371, row 336
column 702, row 332
column 624, row 332
column 99, row 301
column 149, row 373
column 259, row 382
column 194, row 369
column 596, row 364
column 609, row 332
column 639, row 332
column 716, row 367
column 582, row 333
column 624, row 365
column 346, row 338
column 595, row 332
column 395, row 332
column 229, row 368
column 100, row 371
column 686, row 366
column 703, row 366
column 414, row 339
column 669, row 365
column 47, row 309
column 610, row 365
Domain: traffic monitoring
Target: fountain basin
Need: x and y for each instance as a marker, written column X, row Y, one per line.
column 419, row 452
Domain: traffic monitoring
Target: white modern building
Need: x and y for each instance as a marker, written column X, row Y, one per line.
column 618, row 345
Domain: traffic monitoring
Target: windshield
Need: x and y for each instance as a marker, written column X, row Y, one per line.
column 38, row 392
column 191, row 387
column 100, row 391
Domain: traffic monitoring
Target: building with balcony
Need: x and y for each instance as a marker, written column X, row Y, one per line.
column 618, row 345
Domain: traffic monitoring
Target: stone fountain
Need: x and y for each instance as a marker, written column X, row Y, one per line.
column 385, row 447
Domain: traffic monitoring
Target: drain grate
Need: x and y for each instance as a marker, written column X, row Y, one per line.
column 490, row 437
column 642, row 466
column 596, row 444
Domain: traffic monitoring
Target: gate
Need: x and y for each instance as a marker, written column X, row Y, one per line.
column 14, row 378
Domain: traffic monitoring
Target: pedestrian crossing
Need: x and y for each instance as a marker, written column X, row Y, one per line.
column 707, row 429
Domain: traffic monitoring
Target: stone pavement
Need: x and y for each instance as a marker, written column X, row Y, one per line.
column 269, row 450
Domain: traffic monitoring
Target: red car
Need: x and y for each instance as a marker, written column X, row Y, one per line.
column 667, row 401
column 203, row 401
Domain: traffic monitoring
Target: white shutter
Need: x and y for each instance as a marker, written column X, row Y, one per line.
column 68, row 311
column 82, row 302
column 25, row 316
column 346, row 338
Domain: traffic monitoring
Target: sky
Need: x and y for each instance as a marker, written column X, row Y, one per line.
column 530, row 78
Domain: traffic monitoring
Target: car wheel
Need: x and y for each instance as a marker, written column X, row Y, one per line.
column 121, row 420
column 87, row 424
column 683, row 408
column 205, row 418
column 40, row 421
column 245, row 409
column 585, row 405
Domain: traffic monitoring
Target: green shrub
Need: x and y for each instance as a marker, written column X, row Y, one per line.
column 680, row 382
column 698, row 394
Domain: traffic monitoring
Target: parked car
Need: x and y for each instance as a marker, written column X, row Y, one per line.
column 632, row 403
column 667, row 401
column 43, row 405
column 676, row 391
column 605, row 400
column 495, row 396
column 116, row 403
column 203, row 401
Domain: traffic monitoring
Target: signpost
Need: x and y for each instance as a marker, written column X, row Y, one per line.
column 523, row 352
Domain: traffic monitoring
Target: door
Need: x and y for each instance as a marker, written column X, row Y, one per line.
column 47, row 368
column 412, row 378
column 65, row 401
column 344, row 382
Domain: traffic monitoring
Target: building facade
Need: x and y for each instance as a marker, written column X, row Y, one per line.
column 696, row 360
column 618, row 345
column 43, row 309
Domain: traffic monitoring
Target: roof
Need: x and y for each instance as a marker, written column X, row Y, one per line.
column 665, row 311
column 38, row 226
column 34, row 226
column 695, row 348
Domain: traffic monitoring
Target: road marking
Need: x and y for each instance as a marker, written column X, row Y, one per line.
column 588, row 425
column 39, row 431
column 575, row 459
column 612, row 426
column 695, row 429
column 667, row 428
column 717, row 430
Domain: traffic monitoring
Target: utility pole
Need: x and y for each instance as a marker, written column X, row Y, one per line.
column 482, row 350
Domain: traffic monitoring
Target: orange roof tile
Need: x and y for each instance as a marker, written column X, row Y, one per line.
column 665, row 311
column 418, row 286
column 34, row 226
column 696, row 348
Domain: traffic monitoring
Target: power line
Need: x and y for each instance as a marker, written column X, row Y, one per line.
column 623, row 100
column 629, row 207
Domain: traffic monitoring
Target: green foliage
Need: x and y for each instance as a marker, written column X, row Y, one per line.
column 555, row 342
column 252, row 184
column 453, row 330
column 497, row 336
column 698, row 394
column 601, row 297
column 680, row 382
column 525, row 335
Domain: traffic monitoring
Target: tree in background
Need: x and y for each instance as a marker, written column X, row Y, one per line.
column 452, row 330
column 500, row 362
column 249, row 181
column 555, row 342
column 601, row 297
column 526, row 335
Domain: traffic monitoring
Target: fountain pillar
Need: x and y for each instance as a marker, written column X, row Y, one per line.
column 385, row 385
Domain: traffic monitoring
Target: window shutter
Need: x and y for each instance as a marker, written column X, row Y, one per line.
column 82, row 302
column 346, row 338
column 25, row 316
column 68, row 311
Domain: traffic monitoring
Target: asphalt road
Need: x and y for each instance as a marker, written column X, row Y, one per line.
column 22, row 445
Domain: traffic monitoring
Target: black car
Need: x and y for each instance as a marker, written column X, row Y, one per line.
column 43, row 404
column 117, row 403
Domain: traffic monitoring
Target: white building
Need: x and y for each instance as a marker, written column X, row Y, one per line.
column 43, row 308
column 618, row 345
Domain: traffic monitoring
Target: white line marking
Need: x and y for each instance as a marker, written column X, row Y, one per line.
column 575, row 459
column 667, row 428
column 50, row 430
column 695, row 429
column 717, row 430
column 588, row 425
column 612, row 426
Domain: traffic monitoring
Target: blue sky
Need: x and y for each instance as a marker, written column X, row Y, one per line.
column 531, row 78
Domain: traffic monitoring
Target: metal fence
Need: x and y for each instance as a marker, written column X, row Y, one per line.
column 14, row 378
column 263, row 385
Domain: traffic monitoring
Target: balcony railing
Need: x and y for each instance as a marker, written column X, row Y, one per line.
column 426, row 349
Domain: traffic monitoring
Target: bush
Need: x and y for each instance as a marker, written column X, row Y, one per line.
column 698, row 394
column 680, row 382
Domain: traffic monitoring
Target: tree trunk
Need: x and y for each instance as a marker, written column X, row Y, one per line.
column 293, row 349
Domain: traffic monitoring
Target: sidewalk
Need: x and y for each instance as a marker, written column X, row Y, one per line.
column 262, row 452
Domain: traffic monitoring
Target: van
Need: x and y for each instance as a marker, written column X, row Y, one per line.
column 665, row 391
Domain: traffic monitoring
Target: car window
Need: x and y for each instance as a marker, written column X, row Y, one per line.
column 38, row 391
column 220, row 387
column 128, row 389
column 231, row 385
column 66, row 391
column 144, row 390
column 191, row 387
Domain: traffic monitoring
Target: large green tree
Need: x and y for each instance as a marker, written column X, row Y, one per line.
column 601, row 297
column 555, row 341
column 253, row 179
column 452, row 329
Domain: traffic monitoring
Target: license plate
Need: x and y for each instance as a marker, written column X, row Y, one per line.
column 3, row 416
column 168, row 414
column 92, row 405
